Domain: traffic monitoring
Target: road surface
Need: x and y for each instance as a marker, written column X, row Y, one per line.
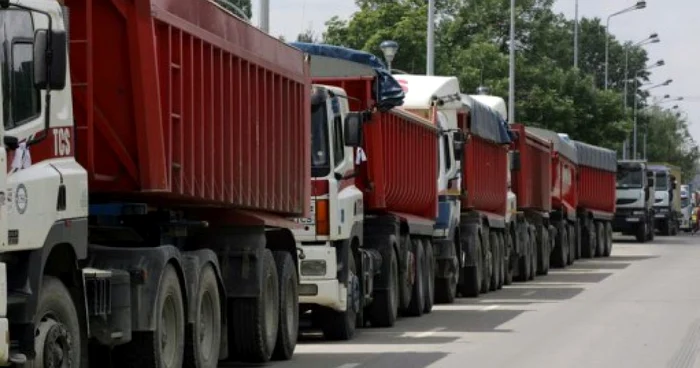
column 638, row 308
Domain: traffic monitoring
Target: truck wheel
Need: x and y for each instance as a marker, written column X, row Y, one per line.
column 406, row 278
column 207, row 326
column 417, row 303
column 446, row 288
column 507, row 242
column 560, row 256
column 600, row 240
column 470, row 284
column 341, row 325
column 534, row 254
column 588, row 248
column 524, row 260
column 487, row 267
column 608, row 240
column 577, row 239
column 429, row 277
column 288, row 329
column 255, row 321
column 543, row 259
column 502, row 264
column 652, row 230
column 495, row 261
column 571, row 233
column 384, row 308
column 641, row 233
column 57, row 328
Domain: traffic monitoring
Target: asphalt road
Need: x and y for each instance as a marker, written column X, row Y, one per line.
column 638, row 308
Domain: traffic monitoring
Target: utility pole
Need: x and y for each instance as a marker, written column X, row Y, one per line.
column 511, row 73
column 430, row 54
column 576, row 35
column 265, row 16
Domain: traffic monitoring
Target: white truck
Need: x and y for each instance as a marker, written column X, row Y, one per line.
column 687, row 205
column 634, row 208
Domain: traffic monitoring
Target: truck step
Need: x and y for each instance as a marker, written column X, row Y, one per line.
column 98, row 291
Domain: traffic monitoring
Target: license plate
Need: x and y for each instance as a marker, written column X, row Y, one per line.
column 632, row 219
column 660, row 215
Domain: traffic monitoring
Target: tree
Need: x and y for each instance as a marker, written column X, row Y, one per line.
column 308, row 36
column 668, row 139
column 234, row 5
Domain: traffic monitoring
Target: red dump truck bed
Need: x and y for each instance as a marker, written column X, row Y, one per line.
column 564, row 169
column 597, row 178
column 180, row 101
column 485, row 162
column 532, row 184
column 400, row 174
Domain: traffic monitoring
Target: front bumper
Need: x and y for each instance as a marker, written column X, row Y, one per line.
column 626, row 220
column 319, row 285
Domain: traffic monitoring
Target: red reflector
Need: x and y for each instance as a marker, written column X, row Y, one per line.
column 319, row 187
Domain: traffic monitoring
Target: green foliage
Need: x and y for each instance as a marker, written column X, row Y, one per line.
column 472, row 40
column 235, row 5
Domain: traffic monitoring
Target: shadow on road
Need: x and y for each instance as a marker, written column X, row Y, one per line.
column 363, row 360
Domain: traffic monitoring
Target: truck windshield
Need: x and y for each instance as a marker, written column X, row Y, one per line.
column 685, row 202
column 629, row 178
column 320, row 160
column 661, row 181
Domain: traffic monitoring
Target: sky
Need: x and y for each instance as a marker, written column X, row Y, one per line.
column 675, row 21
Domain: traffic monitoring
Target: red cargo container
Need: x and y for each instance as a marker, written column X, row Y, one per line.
column 485, row 175
column 179, row 101
column 597, row 178
column 564, row 169
column 400, row 174
column 532, row 184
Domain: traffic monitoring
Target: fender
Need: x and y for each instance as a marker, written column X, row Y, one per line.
column 141, row 263
column 25, row 276
column 343, row 249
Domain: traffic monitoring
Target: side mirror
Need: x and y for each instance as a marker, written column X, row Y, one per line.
column 675, row 185
column 50, row 73
column 646, row 193
column 10, row 142
column 353, row 129
column 459, row 143
column 650, row 182
column 514, row 160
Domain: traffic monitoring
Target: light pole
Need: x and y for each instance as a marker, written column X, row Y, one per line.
column 637, row 6
column 511, row 71
column 430, row 57
column 653, row 38
column 576, row 34
column 636, row 98
column 389, row 49
column 265, row 15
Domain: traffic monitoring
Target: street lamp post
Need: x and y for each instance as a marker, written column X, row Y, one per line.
column 576, row 34
column 636, row 98
column 511, row 71
column 653, row 38
column 637, row 6
column 389, row 49
column 430, row 57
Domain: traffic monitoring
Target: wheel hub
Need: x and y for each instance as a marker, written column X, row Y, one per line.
column 53, row 345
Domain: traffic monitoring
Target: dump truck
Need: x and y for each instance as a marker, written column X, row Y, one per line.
column 437, row 98
column 532, row 185
column 368, row 247
column 687, row 205
column 564, row 198
column 634, row 205
column 157, row 154
column 596, row 185
column 668, row 198
column 486, row 219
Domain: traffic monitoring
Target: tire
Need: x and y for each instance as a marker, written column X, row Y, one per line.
column 446, row 288
column 508, row 247
column 652, row 230
column 405, row 284
column 572, row 244
column 502, row 261
column 578, row 240
column 560, row 255
column 608, row 240
column 543, row 259
column 384, row 308
column 149, row 349
column 641, row 233
column 256, row 320
column 341, row 326
column 470, row 284
column 533, row 254
column 588, row 249
column 495, row 261
column 417, row 303
column 288, row 330
column 600, row 240
column 524, row 260
column 57, row 325
column 428, row 277
column 207, row 328
column 487, row 266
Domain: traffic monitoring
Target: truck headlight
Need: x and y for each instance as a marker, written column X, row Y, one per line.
column 313, row 268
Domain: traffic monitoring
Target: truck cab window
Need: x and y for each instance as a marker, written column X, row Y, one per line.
column 320, row 163
column 20, row 98
column 339, row 142
column 448, row 159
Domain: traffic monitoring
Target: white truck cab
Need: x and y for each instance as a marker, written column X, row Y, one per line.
column 437, row 98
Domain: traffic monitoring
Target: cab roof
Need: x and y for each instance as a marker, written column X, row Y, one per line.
column 420, row 91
